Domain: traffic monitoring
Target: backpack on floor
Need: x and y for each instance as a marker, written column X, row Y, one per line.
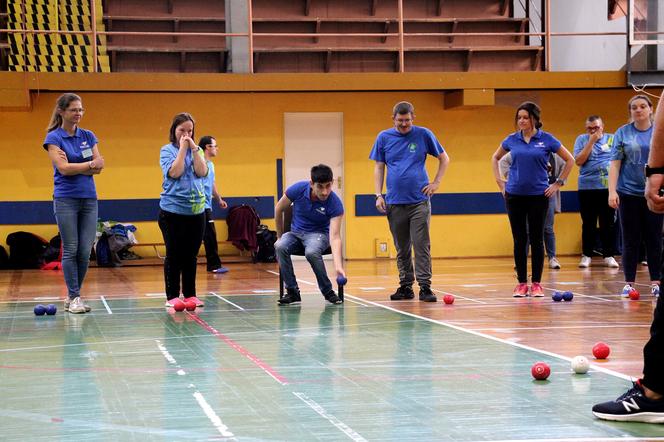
column 265, row 239
column 26, row 250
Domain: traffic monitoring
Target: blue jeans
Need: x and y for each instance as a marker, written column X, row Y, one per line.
column 312, row 246
column 549, row 235
column 77, row 223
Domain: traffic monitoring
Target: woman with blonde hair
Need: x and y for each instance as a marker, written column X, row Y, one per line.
column 76, row 158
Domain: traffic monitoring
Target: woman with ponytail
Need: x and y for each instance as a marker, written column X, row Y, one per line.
column 76, row 158
column 527, row 191
column 627, row 182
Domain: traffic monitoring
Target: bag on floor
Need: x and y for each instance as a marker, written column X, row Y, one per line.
column 265, row 239
column 26, row 250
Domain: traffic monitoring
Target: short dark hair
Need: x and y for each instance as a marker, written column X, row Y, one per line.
column 402, row 108
column 321, row 174
column 592, row 118
column 205, row 140
column 178, row 120
column 534, row 112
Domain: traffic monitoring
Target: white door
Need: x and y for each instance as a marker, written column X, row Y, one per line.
column 312, row 138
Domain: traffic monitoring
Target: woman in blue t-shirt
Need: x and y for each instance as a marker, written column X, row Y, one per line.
column 528, row 190
column 182, row 204
column 627, row 181
column 75, row 157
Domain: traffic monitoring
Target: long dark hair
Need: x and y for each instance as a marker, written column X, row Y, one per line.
column 534, row 112
column 178, row 120
column 61, row 104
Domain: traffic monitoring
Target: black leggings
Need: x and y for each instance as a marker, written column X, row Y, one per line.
column 594, row 205
column 640, row 224
column 530, row 211
column 653, row 352
column 182, row 235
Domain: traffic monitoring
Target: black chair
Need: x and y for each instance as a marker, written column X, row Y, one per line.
column 288, row 216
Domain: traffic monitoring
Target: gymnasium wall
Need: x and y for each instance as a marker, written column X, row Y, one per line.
column 132, row 126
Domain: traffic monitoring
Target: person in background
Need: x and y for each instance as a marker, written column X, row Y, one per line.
column 404, row 149
column 592, row 153
column 644, row 402
column 213, row 262
column 627, row 180
column 182, row 204
column 75, row 155
column 527, row 191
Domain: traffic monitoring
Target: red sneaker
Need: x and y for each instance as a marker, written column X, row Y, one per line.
column 536, row 290
column 197, row 301
column 521, row 290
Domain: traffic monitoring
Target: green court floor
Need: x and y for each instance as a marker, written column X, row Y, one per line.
column 243, row 368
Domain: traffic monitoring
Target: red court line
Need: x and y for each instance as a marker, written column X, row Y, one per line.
column 240, row 349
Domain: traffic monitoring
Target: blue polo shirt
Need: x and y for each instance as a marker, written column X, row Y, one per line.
column 78, row 148
column 631, row 146
column 184, row 195
column 405, row 156
column 209, row 184
column 528, row 171
column 594, row 174
column 312, row 216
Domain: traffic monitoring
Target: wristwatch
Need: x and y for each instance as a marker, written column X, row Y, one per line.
column 560, row 181
column 379, row 195
column 654, row 171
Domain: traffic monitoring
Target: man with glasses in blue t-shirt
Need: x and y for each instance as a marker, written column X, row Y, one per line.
column 315, row 227
column 404, row 149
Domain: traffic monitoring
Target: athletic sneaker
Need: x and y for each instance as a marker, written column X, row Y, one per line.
column 197, row 301
column 654, row 290
column 170, row 302
column 536, row 290
column 291, row 297
column 68, row 301
column 611, row 262
column 426, row 295
column 633, row 406
column 404, row 292
column 76, row 306
column 221, row 269
column 332, row 298
column 585, row 261
column 521, row 290
column 554, row 264
column 644, row 263
column 625, row 291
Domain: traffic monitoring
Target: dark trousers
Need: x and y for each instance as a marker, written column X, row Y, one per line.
column 653, row 352
column 182, row 235
column 640, row 224
column 594, row 206
column 527, row 214
column 210, row 243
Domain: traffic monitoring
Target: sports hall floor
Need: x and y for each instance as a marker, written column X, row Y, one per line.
column 242, row 368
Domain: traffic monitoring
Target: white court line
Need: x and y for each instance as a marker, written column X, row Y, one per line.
column 227, row 301
column 369, row 289
column 108, row 309
column 298, row 280
column 155, row 295
column 264, row 291
column 352, row 434
column 458, row 296
column 207, row 409
column 209, row 412
column 46, row 298
column 354, row 301
column 563, row 327
column 493, row 338
column 585, row 439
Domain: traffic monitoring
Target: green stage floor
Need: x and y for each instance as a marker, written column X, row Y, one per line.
column 244, row 369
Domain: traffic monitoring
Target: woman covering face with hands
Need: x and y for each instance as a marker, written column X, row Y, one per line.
column 182, row 204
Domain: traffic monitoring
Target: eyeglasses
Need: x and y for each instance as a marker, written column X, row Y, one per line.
column 76, row 110
column 592, row 128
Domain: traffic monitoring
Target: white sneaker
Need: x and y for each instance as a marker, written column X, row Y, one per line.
column 625, row 291
column 76, row 306
column 554, row 264
column 654, row 290
column 611, row 262
column 585, row 261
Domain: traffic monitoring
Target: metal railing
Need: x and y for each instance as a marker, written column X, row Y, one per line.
column 545, row 36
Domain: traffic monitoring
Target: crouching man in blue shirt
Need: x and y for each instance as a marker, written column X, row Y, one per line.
column 315, row 227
